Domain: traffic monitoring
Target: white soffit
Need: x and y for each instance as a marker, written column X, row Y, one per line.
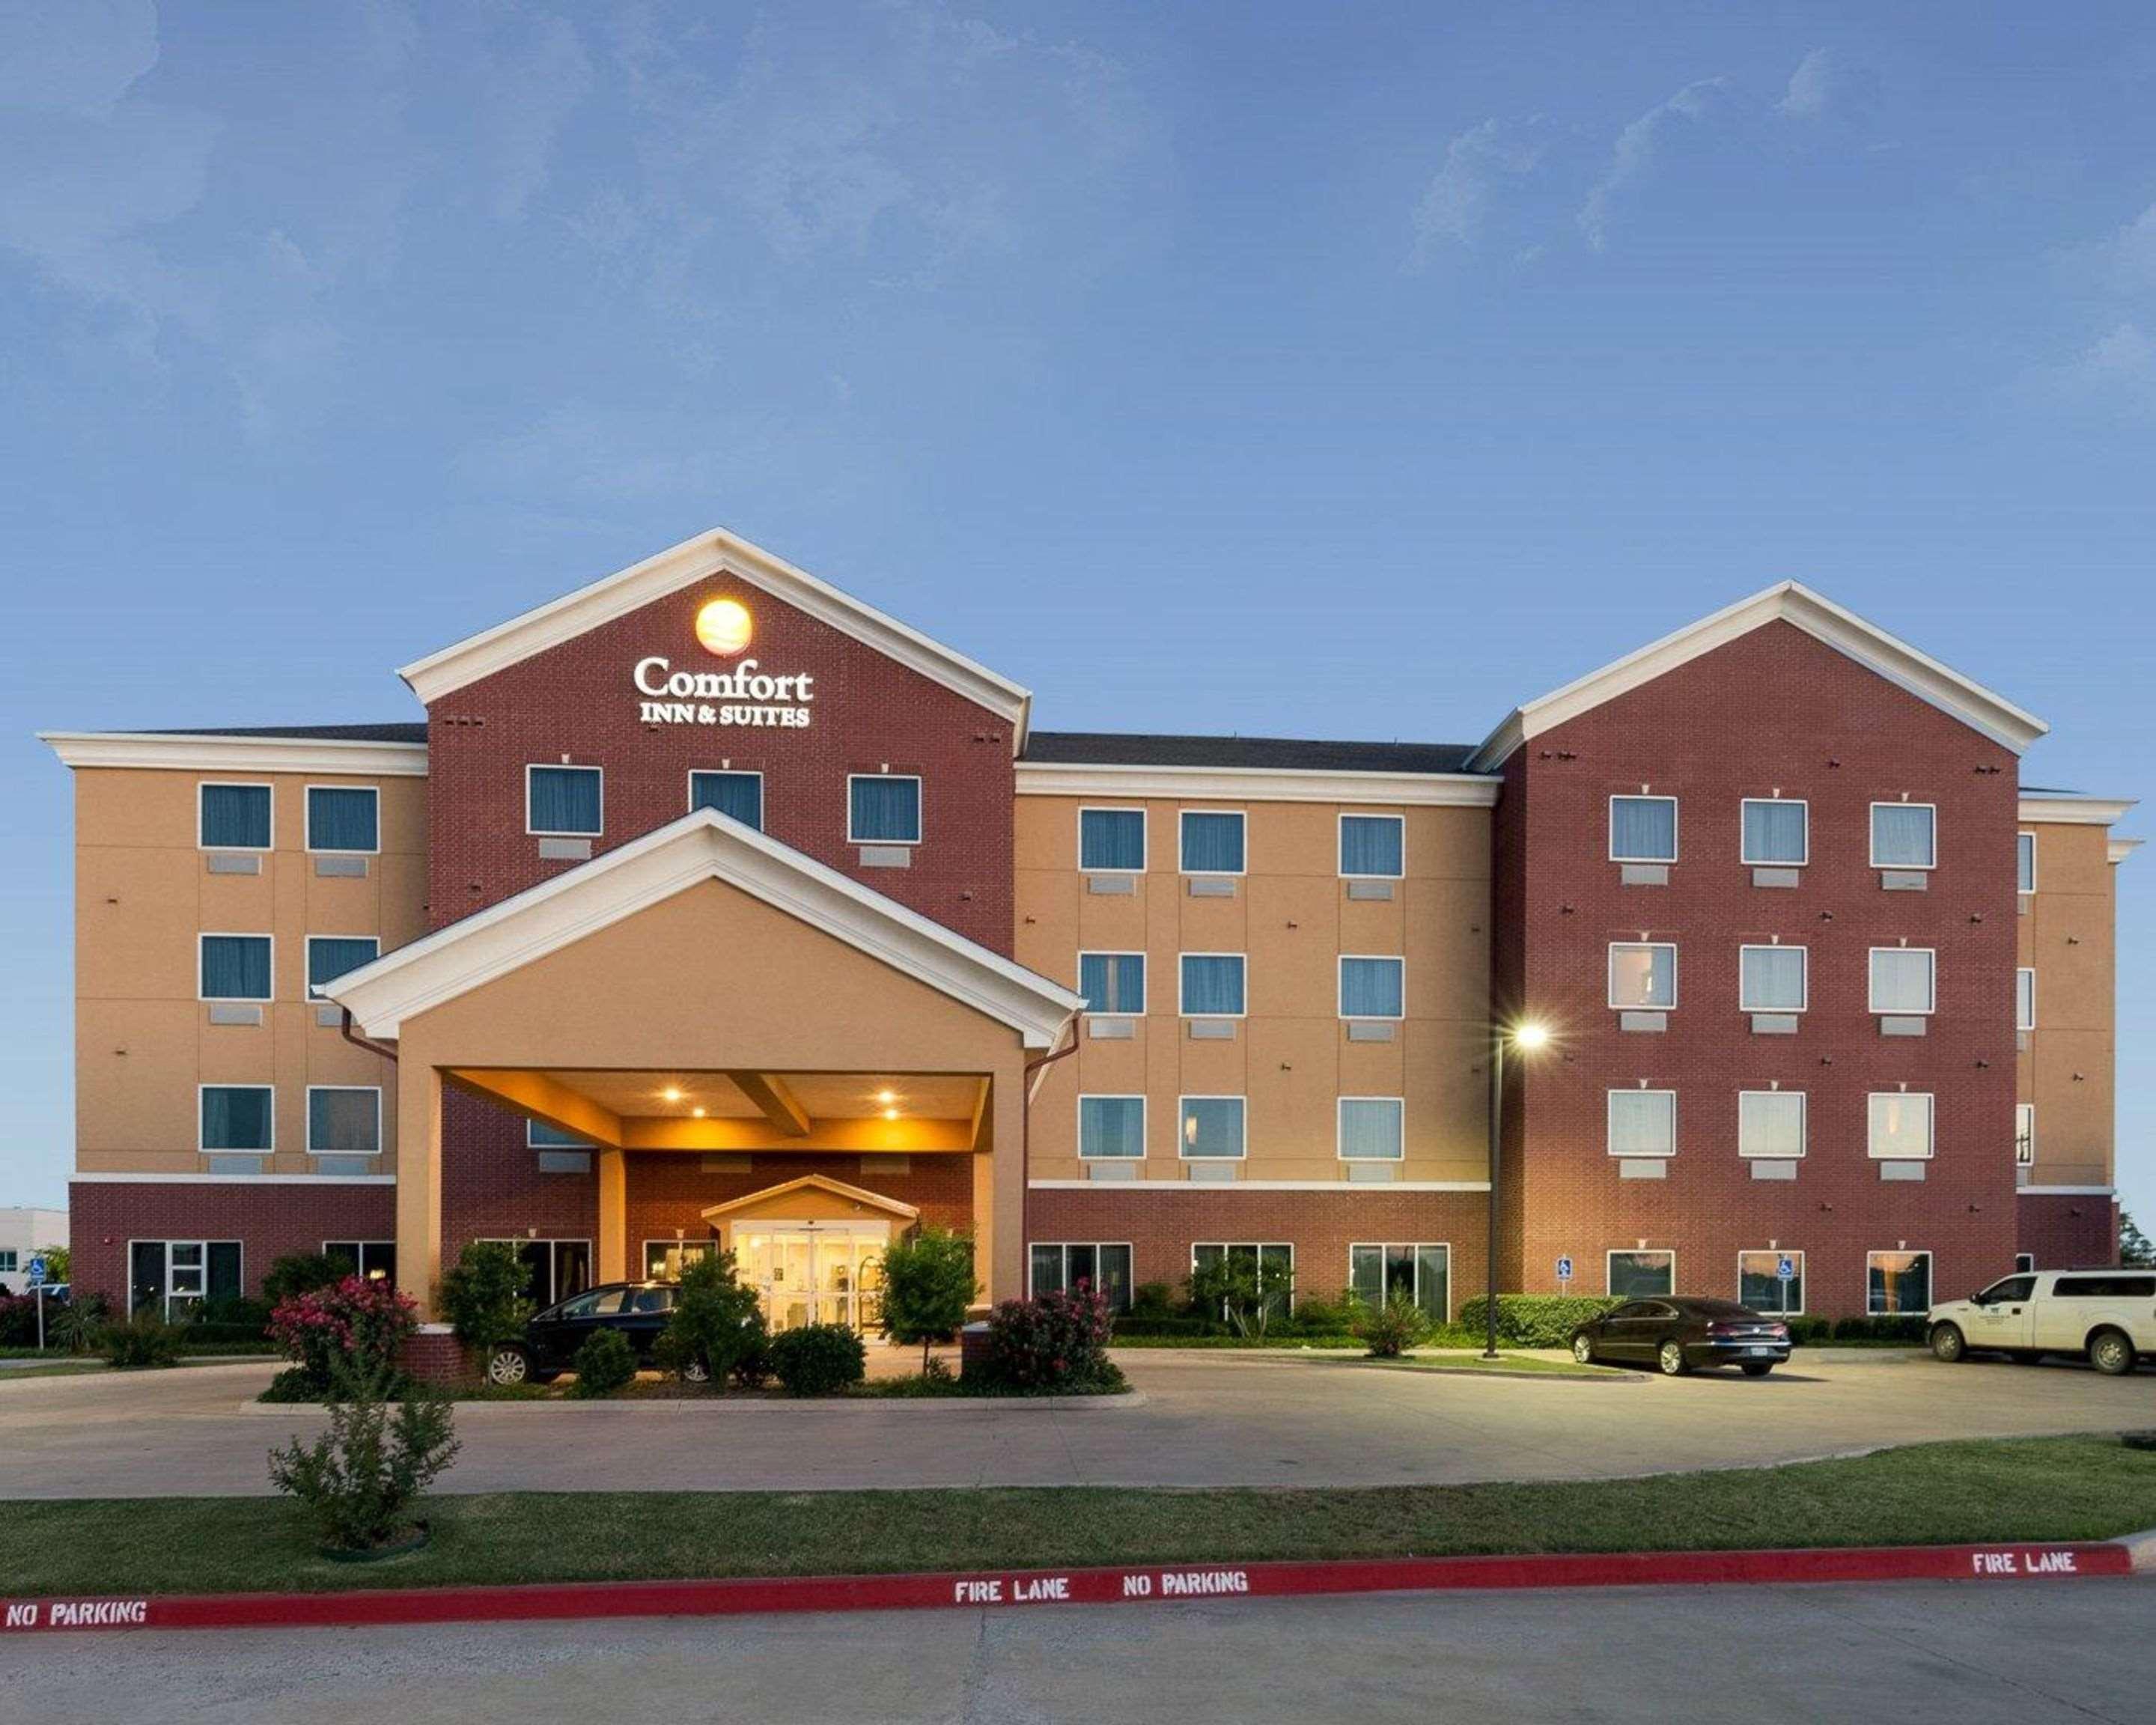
column 210, row 753
column 703, row 845
column 709, row 556
column 2071, row 808
column 1255, row 784
column 2122, row 848
column 1789, row 602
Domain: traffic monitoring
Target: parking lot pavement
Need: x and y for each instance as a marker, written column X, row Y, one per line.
column 1977, row 1653
column 1200, row 1419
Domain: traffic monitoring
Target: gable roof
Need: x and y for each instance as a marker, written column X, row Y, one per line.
column 713, row 553
column 701, row 845
column 1788, row 602
column 816, row 1182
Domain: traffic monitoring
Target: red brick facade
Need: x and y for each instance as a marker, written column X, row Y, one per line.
column 668, row 1192
column 2061, row 1228
column 269, row 1220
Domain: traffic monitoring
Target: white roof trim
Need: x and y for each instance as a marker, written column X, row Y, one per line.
column 1359, row 1188
column 2064, row 1191
column 1255, row 784
column 2070, row 808
column 82, row 1179
column 2122, row 848
column 1790, row 602
column 710, row 554
column 236, row 754
column 703, row 845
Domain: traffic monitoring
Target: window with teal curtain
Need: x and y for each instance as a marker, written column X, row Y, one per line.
column 1111, row 1128
column 540, row 1135
column 565, row 802
column 1212, row 842
column 1370, row 1128
column 738, row 796
column 1643, row 829
column 883, row 809
column 1212, row 1127
column 1775, row 833
column 329, row 956
column 1111, row 839
column 343, row 817
column 237, row 1116
column 344, row 1120
column 1904, row 835
column 1113, row 982
column 1372, row 844
column 235, row 816
column 1212, row 985
column 235, row 967
column 1371, row 987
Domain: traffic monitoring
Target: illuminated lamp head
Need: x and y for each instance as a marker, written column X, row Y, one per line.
column 723, row 626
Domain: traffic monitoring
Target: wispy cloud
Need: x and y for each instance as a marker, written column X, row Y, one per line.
column 1477, row 161
column 1635, row 150
column 2112, row 283
column 1811, row 87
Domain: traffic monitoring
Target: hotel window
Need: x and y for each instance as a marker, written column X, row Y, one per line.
column 738, row 796
column 1643, row 829
column 564, row 802
column 1111, row 1128
column 1379, row 1275
column 10, row 1261
column 233, row 816
column 374, row 1259
column 1211, row 1130
column 1272, row 1263
column 1372, row 1129
column 2024, row 1135
column 235, row 967
column 344, row 1119
column 1212, row 985
column 1063, row 1267
column 238, row 1117
column 1759, row 1283
column 167, row 1276
column 1373, row 847
column 554, row 1269
column 1897, row 1282
column 1113, row 982
column 1212, row 842
column 664, row 1259
column 2024, row 862
column 2024, row 998
column 1902, row 980
column 883, row 808
column 1112, row 840
column 1643, row 1123
column 1770, row 1123
column 1641, row 1276
column 539, row 1135
column 1372, row 988
column 1770, row 979
column 1904, row 835
column 1643, row 976
column 344, row 818
column 1901, row 1126
column 1777, row 833
column 330, row 956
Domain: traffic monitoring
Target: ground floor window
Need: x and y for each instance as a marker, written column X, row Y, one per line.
column 374, row 1259
column 1060, row 1267
column 167, row 1276
column 1640, row 1276
column 1897, row 1282
column 1377, row 1275
column 1761, row 1285
column 664, row 1259
column 2025, row 1260
column 1271, row 1261
column 554, row 1269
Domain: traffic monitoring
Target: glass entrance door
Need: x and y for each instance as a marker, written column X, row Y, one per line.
column 814, row 1273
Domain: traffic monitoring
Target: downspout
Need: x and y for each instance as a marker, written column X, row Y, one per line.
column 1035, row 1073
column 357, row 1041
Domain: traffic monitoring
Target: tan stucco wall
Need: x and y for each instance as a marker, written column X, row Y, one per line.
column 144, row 891
column 1292, row 918
column 2066, row 934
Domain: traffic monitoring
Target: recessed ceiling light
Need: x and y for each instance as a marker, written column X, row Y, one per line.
column 891, row 1114
column 671, row 1094
column 886, row 1097
column 698, row 1113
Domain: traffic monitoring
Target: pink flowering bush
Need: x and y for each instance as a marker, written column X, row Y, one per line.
column 361, row 1322
column 1053, row 1341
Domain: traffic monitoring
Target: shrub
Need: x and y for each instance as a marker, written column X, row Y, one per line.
column 818, row 1359
column 1389, row 1330
column 1152, row 1299
column 1536, row 1320
column 19, row 1320
column 483, row 1294
column 361, row 1321
column 927, row 1285
column 1322, row 1318
column 361, row 1478
column 604, row 1363
column 716, row 1325
column 292, row 1384
column 232, row 1318
column 1050, row 1342
column 1242, row 1290
column 1910, row 1327
column 301, row 1273
column 144, row 1342
column 78, row 1325
column 752, row 1370
column 1150, row 1325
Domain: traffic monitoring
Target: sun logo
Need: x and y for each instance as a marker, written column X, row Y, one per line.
column 724, row 627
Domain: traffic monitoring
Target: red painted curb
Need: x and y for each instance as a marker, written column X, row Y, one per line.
column 1146, row 1584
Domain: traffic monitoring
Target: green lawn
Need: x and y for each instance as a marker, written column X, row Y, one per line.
column 2019, row 1490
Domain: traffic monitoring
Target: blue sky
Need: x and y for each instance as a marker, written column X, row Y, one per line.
column 1392, row 362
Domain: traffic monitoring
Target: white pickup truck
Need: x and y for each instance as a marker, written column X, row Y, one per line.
column 2108, row 1315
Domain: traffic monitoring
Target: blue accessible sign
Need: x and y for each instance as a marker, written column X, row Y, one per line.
column 1785, row 1267
column 1564, row 1270
column 37, row 1272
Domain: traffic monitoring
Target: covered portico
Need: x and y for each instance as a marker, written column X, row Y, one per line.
column 705, row 1002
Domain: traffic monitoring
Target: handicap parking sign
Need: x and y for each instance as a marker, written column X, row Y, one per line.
column 37, row 1272
column 1564, row 1270
column 1785, row 1267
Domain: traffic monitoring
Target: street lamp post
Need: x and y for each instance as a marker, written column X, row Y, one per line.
column 1526, row 1037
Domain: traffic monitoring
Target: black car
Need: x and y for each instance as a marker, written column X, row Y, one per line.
column 637, row 1309
column 1675, row 1334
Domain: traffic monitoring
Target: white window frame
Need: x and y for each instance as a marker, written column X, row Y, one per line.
column 203, row 1293
column 1241, row 814
column 689, row 787
column 1871, row 984
column 236, row 934
column 1340, row 987
column 531, row 767
column 2024, row 1131
column 1340, row 1132
column 1609, row 1123
column 1184, row 1012
column 314, row 989
column 2024, row 836
column 1795, row 1311
column 1803, row 1126
column 238, row 784
column 1803, row 803
column 1413, row 1246
column 1145, row 1126
column 1145, row 985
column 1805, row 997
column 307, row 817
column 1931, row 1277
column 2024, row 992
column 1609, row 973
column 705, row 1248
column 1608, row 1260
column 919, row 809
column 1064, row 1246
column 202, row 1149
column 1145, row 842
column 1609, row 830
column 1340, row 843
column 1931, row 1124
column 1871, row 836
column 1243, row 1154
column 307, row 1125
column 2024, row 1263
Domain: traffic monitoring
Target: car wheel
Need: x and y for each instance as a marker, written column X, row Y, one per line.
column 1583, row 1350
column 695, row 1372
column 1756, row 1368
column 1670, row 1358
column 2110, row 1352
column 1948, row 1342
column 508, row 1365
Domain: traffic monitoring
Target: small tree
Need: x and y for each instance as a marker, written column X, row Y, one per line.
column 360, row 1479
column 58, row 1261
column 716, row 1325
column 1389, row 1330
column 483, row 1294
column 927, row 1285
column 1242, row 1290
column 2136, row 1251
